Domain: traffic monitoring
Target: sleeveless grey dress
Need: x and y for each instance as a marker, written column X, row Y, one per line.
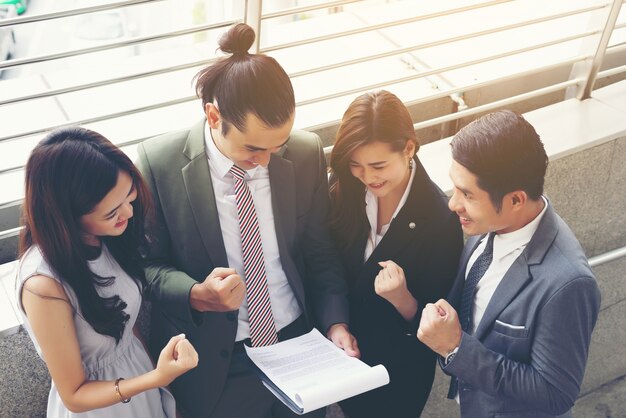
column 102, row 359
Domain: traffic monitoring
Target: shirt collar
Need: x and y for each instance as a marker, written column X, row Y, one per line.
column 219, row 162
column 371, row 203
column 504, row 244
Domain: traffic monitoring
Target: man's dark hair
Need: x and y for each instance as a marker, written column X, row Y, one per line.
column 504, row 152
column 245, row 83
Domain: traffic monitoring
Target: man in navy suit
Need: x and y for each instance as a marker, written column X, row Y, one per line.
column 526, row 298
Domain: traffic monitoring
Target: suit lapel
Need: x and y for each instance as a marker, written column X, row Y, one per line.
column 407, row 225
column 354, row 255
column 283, row 189
column 199, row 190
column 519, row 274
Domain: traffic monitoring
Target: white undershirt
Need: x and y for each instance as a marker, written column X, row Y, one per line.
column 371, row 209
column 284, row 304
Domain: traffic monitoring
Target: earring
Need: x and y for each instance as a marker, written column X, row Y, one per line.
column 410, row 164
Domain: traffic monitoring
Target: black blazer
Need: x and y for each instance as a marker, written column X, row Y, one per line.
column 426, row 240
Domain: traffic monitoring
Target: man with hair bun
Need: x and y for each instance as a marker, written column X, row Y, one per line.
column 515, row 331
column 240, row 253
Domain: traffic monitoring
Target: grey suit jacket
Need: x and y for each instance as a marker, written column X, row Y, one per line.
column 528, row 355
column 187, row 244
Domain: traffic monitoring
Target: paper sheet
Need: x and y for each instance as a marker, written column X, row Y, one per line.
column 310, row 372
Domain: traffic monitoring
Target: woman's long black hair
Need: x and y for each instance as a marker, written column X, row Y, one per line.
column 68, row 173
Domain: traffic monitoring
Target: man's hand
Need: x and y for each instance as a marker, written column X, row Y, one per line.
column 440, row 328
column 341, row 337
column 221, row 291
column 390, row 284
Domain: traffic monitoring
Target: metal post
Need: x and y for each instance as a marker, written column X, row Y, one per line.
column 589, row 69
column 253, row 19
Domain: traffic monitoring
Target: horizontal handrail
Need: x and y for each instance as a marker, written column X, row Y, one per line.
column 9, row 233
column 199, row 28
column 129, row 42
column 498, row 103
column 101, row 118
column 435, row 96
column 72, row 12
column 12, row 203
column 301, row 103
column 429, row 72
column 85, row 86
column 49, row 93
column 443, row 42
column 608, row 256
column 469, row 87
column 611, row 71
column 430, row 16
column 619, row 47
column 303, row 9
column 489, row 106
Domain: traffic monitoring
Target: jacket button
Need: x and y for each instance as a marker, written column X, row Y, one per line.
column 224, row 353
column 231, row 316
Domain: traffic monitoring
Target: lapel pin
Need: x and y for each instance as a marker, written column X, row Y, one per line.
column 412, row 225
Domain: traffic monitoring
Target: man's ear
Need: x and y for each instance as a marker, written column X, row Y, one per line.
column 518, row 198
column 213, row 115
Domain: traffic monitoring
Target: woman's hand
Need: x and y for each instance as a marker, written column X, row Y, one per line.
column 340, row 335
column 390, row 284
column 176, row 358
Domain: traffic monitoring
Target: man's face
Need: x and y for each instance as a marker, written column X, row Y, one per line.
column 255, row 145
column 476, row 212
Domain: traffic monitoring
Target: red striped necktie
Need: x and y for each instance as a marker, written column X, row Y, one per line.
column 262, row 328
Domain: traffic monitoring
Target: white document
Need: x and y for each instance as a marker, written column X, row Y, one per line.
column 310, row 372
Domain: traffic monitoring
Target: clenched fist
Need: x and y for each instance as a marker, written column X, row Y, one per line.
column 390, row 284
column 177, row 357
column 223, row 290
column 440, row 328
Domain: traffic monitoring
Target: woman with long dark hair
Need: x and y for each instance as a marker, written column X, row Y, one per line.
column 400, row 245
column 80, row 280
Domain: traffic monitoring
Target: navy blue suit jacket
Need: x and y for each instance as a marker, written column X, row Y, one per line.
column 528, row 355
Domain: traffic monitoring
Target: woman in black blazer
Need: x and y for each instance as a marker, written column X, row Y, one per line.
column 400, row 245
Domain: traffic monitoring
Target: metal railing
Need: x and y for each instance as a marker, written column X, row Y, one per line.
column 588, row 62
column 607, row 257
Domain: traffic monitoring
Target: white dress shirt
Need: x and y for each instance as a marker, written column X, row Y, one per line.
column 506, row 249
column 371, row 209
column 284, row 304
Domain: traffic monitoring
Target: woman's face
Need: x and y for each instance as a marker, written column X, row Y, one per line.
column 381, row 169
column 110, row 216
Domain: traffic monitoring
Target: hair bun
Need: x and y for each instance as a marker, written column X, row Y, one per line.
column 238, row 39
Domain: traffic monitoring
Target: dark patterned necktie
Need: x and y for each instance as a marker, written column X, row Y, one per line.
column 476, row 273
column 262, row 328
